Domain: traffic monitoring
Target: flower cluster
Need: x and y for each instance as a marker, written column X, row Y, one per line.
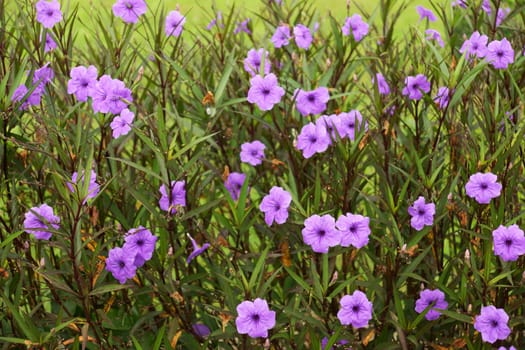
column 77, row 185
column 33, row 95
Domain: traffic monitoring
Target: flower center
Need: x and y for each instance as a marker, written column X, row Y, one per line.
column 494, row 323
column 508, row 242
column 322, row 233
column 313, row 139
column 483, row 186
column 121, row 264
column 353, row 228
column 140, row 242
column 266, row 91
column 311, row 98
column 255, row 317
column 500, row 53
column 355, row 308
column 421, row 211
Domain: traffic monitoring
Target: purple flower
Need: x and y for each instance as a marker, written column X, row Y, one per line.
column 243, row 27
column 275, row 206
column 416, row 86
column 214, row 21
column 252, row 152
column 435, row 299
column 39, row 220
column 320, row 233
column 500, row 53
column 425, row 13
column 83, row 81
column 492, row 323
column 356, row 310
column 486, row 7
column 303, row 37
column 311, row 102
column 100, row 94
column 483, row 187
column 324, row 343
column 43, row 75
column 443, row 97
column 254, row 318
column 174, row 23
column 422, row 213
column 350, row 123
column 330, row 123
column 197, row 250
column 504, row 348
column 354, row 230
column 201, row 330
column 234, row 184
column 313, row 138
column 434, row 35
column 77, row 184
column 509, row 242
column 282, row 36
column 476, row 45
column 460, row 3
column 254, row 62
column 356, row 26
column 110, row 95
column 140, row 242
column 32, row 100
column 48, row 13
column 121, row 263
column 382, row 85
column 501, row 15
column 265, row 92
column 121, row 124
column 50, row 44
column 177, row 197
column 129, row 10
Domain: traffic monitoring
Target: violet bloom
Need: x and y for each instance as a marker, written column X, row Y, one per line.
column 83, row 81
column 129, row 10
column 354, row 230
column 40, row 220
column 500, row 54
column 303, row 37
column 243, row 27
column 216, row 20
column 356, row 26
column 234, row 184
column 48, row 13
column 509, row 348
column 282, row 36
column 356, row 310
column 416, row 86
column 330, row 123
column 483, row 187
column 254, row 61
column 443, row 97
column 177, row 196
column 197, row 250
column 174, row 23
column 313, row 138
column 265, row 92
column 324, row 343
column 120, row 262
column 492, row 323
column 50, row 44
column 32, row 100
column 459, row 3
column 509, row 242
column 320, row 233
column 485, row 6
column 275, row 206
column 422, row 213
column 501, row 15
column 121, row 124
column 77, row 184
column 434, row 35
column 382, row 85
column 435, row 299
column 110, row 95
column 311, row 102
column 140, row 242
column 476, row 45
column 201, row 330
column 350, row 123
column 43, row 75
column 254, row 318
column 425, row 13
column 252, row 152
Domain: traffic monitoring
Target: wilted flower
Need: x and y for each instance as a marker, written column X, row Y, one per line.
column 485, row 5
column 509, row 242
column 382, row 85
column 356, row 26
column 129, row 10
column 500, row 53
column 243, row 27
column 425, row 13
column 174, row 23
column 313, row 138
column 354, row 230
column 140, row 242
column 77, row 184
column 303, row 37
column 356, row 310
column 492, row 323
column 176, row 198
column 311, row 102
column 320, row 233
column 197, row 250
column 39, row 220
column 254, row 318
column 460, row 3
column 48, row 13
column 501, row 15
column 214, row 21
column 83, row 81
column 443, row 97
column 265, row 92
column 121, row 263
column 483, row 187
column 422, row 213
column 201, row 330
column 234, row 184
column 282, row 36
column 434, row 35
column 275, row 206
column 435, row 299
column 416, row 86
column 254, row 62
